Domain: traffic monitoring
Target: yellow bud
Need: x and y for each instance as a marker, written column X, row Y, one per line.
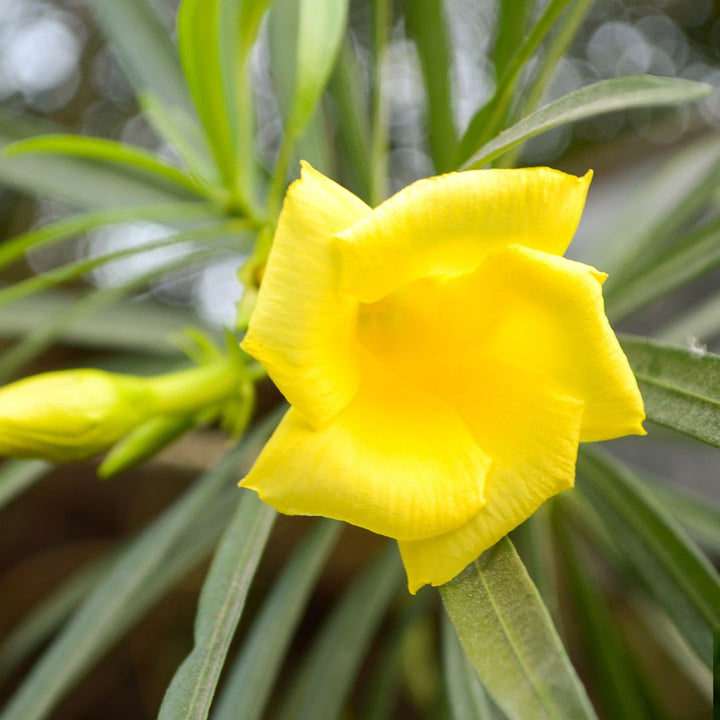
column 70, row 414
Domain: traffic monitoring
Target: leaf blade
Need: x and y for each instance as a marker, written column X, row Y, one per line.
column 509, row 638
column 672, row 569
column 605, row 96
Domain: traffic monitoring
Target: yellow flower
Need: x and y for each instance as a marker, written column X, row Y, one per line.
column 442, row 359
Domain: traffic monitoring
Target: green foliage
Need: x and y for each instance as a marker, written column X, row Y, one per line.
column 510, row 640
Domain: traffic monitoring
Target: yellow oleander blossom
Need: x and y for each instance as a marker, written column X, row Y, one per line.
column 442, row 359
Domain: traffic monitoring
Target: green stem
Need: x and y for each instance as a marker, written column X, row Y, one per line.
column 382, row 13
column 188, row 390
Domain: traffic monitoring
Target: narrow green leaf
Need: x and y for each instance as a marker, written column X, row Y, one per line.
column 215, row 39
column 697, row 324
column 643, row 227
column 698, row 513
column 305, row 39
column 172, row 214
column 492, row 117
column 512, row 23
column 221, row 604
column 107, row 152
column 250, row 679
column 605, row 96
column 680, row 386
column 149, row 59
column 353, row 126
column 120, row 326
column 100, row 618
column 70, row 271
column 616, row 679
column 320, row 32
column 508, row 636
column 468, row 699
column 428, row 28
column 403, row 658
column 17, row 475
column 324, row 679
column 669, row 565
column 556, row 48
column 44, row 619
column 87, row 184
column 689, row 259
column 144, row 441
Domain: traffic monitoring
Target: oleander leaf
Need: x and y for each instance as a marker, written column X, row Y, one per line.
column 250, row 678
column 221, row 603
column 428, row 28
column 606, row 96
column 508, row 636
column 468, row 700
column 680, row 386
column 668, row 564
column 108, row 153
column 320, row 687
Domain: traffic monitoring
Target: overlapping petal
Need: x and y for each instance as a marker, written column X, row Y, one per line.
column 546, row 315
column 396, row 461
column 531, row 431
column 302, row 327
column 447, row 224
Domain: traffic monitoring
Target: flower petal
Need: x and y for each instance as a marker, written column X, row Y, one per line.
column 548, row 317
column 302, row 326
column 396, row 461
column 531, row 433
column 447, row 224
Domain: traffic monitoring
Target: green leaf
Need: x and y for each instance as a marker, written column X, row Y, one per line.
column 87, row 184
column 616, row 679
column 643, row 227
column 215, row 39
column 428, row 28
column 246, row 690
column 700, row 322
column 669, row 565
column 622, row 93
column 508, row 636
column 70, row 271
column 556, row 48
column 221, row 604
column 150, row 61
column 110, row 153
column 144, row 441
column 44, row 619
column 101, row 617
column 306, row 36
column 172, row 214
column 698, row 513
column 492, row 117
column 689, row 259
column 512, row 22
column 353, row 128
column 17, row 475
column 680, row 386
column 325, row 677
column 40, row 320
column 468, row 699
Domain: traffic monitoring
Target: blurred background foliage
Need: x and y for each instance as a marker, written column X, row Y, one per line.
column 655, row 191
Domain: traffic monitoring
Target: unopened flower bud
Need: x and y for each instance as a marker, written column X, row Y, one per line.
column 70, row 414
